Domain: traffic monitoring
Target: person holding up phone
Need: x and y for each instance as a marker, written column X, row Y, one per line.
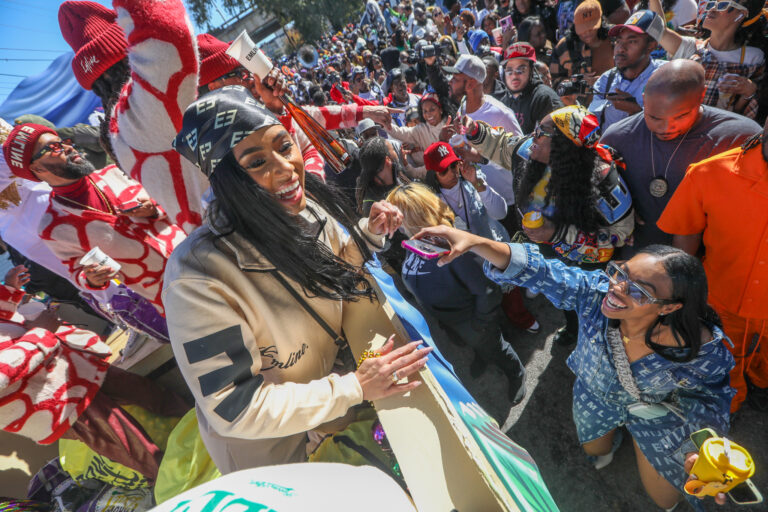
column 465, row 303
column 650, row 354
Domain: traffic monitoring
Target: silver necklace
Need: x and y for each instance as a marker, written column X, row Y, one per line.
column 658, row 186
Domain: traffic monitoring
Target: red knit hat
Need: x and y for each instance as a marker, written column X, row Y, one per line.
column 214, row 61
column 20, row 146
column 439, row 157
column 93, row 33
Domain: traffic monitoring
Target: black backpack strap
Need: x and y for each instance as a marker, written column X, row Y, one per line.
column 337, row 338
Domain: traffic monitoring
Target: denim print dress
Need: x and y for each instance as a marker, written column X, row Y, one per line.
column 699, row 389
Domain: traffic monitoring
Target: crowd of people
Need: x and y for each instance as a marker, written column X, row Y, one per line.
column 610, row 155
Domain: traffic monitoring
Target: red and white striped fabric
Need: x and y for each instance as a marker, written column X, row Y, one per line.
column 163, row 57
column 140, row 245
column 46, row 379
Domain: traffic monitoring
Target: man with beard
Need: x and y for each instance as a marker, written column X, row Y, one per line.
column 527, row 96
column 466, row 86
column 722, row 204
column 618, row 92
column 90, row 209
column 674, row 131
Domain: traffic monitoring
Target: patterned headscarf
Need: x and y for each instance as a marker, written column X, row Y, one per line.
column 216, row 122
column 578, row 124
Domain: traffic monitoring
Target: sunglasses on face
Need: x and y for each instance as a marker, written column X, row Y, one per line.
column 636, row 292
column 724, row 6
column 241, row 73
column 539, row 131
column 54, row 148
column 516, row 71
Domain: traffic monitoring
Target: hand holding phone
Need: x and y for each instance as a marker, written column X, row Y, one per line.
column 506, row 23
column 424, row 249
column 130, row 206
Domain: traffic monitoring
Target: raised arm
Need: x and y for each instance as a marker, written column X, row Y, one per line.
column 670, row 40
column 163, row 82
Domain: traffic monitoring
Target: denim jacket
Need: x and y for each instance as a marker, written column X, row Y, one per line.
column 699, row 388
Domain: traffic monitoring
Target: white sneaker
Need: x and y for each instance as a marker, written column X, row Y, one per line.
column 603, row 460
column 535, row 328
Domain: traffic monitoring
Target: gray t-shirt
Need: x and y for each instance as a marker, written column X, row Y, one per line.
column 716, row 131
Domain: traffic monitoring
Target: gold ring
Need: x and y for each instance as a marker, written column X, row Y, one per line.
column 394, row 377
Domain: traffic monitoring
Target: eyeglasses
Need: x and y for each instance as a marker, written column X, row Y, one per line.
column 636, row 292
column 241, row 73
column 724, row 6
column 539, row 131
column 54, row 148
column 516, row 71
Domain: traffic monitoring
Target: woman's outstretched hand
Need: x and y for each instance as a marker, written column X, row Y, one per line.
column 460, row 241
column 379, row 376
column 496, row 253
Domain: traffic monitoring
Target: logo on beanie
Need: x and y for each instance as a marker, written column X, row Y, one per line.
column 88, row 62
column 443, row 151
column 19, row 144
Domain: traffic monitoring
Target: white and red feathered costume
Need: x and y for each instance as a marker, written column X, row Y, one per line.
column 46, row 379
column 140, row 245
column 163, row 58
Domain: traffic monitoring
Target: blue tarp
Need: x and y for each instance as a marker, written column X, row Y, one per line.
column 53, row 94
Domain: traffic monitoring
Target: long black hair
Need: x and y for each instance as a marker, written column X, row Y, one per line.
column 372, row 155
column 243, row 207
column 108, row 87
column 689, row 287
column 571, row 187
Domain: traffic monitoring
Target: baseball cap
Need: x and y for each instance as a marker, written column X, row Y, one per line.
column 642, row 22
column 476, row 39
column 470, row 65
column 588, row 15
column 364, row 125
column 439, row 157
column 519, row 51
column 357, row 70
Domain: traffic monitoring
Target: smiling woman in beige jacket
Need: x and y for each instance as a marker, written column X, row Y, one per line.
column 259, row 363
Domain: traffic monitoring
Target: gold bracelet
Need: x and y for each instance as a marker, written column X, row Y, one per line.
column 366, row 355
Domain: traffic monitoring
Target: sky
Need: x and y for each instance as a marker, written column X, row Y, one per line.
column 30, row 38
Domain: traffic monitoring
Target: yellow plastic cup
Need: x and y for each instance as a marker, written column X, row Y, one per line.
column 721, row 466
column 533, row 220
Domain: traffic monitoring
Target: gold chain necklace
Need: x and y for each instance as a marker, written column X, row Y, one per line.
column 101, row 195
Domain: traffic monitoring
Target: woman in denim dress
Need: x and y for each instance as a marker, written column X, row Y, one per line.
column 650, row 353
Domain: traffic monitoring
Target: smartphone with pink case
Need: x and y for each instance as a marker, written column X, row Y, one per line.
column 424, row 249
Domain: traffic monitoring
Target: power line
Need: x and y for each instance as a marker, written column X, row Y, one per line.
column 8, row 74
column 26, row 6
column 31, row 50
column 26, row 29
column 26, row 60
